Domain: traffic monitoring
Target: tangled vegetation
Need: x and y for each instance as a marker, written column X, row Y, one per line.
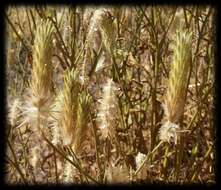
column 110, row 94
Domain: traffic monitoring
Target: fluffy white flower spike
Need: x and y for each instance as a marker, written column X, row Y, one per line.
column 107, row 109
column 168, row 132
column 139, row 159
column 15, row 112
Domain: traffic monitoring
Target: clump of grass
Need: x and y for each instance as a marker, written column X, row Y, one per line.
column 92, row 46
column 82, row 121
column 67, row 106
column 178, row 79
column 42, row 68
column 40, row 99
column 37, row 109
column 177, row 85
column 71, row 113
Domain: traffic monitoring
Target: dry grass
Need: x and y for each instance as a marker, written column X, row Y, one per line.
column 109, row 95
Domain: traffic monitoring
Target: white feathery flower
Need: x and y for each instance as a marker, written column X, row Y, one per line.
column 93, row 37
column 15, row 112
column 107, row 111
column 95, row 21
column 168, row 132
column 31, row 110
column 58, row 135
column 139, row 159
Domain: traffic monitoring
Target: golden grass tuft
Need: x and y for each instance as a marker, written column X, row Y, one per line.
column 82, row 121
column 42, row 68
column 39, row 99
column 177, row 87
column 67, row 106
column 178, row 80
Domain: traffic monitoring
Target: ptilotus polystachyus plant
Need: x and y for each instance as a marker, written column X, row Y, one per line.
column 101, row 33
column 42, row 54
column 81, row 129
column 93, row 37
column 93, row 40
column 67, row 106
column 177, row 85
column 15, row 112
column 39, row 100
column 107, row 112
